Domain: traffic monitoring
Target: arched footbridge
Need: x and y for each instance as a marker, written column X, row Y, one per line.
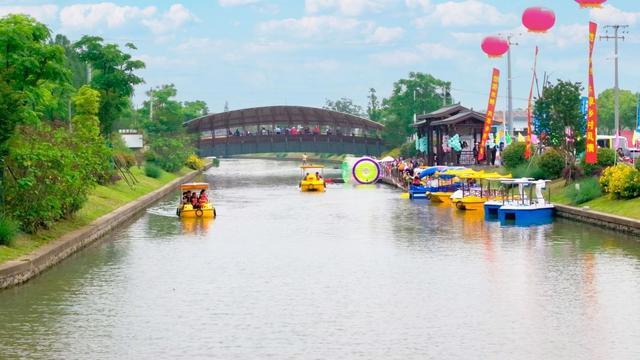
column 274, row 129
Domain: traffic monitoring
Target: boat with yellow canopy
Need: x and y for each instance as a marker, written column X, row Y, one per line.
column 200, row 207
column 473, row 195
column 451, row 184
column 312, row 178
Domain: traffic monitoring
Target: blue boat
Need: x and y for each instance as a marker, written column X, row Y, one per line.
column 528, row 209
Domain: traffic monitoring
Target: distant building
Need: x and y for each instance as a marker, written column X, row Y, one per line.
column 519, row 119
column 132, row 138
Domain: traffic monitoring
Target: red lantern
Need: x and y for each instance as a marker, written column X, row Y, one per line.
column 591, row 3
column 538, row 19
column 494, row 46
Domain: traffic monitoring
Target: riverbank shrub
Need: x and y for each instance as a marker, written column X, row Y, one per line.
column 621, row 181
column 528, row 170
column 408, row 150
column 513, row 155
column 153, row 171
column 551, row 163
column 8, row 230
column 606, row 158
column 48, row 180
column 194, row 162
column 583, row 191
column 171, row 153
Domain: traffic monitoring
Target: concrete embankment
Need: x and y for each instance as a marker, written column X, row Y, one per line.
column 18, row 271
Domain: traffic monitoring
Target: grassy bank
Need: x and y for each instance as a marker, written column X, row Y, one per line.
column 627, row 208
column 102, row 200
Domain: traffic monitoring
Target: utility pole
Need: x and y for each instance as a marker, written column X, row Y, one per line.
column 616, row 88
column 88, row 73
column 509, row 115
column 151, row 105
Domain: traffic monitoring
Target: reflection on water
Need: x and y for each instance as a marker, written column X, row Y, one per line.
column 355, row 272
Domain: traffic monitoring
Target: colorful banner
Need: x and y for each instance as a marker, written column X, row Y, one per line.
column 591, row 156
column 491, row 108
column 527, row 149
column 636, row 134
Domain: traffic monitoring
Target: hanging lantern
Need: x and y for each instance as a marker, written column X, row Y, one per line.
column 591, row 3
column 495, row 46
column 538, row 19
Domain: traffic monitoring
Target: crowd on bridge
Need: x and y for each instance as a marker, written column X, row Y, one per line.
column 294, row 130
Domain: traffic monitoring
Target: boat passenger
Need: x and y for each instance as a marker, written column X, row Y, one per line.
column 194, row 200
column 318, row 176
column 186, row 197
column 416, row 181
column 203, row 199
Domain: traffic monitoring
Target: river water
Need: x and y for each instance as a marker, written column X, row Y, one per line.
column 353, row 273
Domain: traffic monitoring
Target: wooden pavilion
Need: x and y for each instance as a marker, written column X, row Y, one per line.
column 444, row 123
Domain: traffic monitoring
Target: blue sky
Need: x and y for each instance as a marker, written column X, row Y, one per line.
column 270, row 52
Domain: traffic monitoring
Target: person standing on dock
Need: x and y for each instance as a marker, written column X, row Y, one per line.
column 304, row 159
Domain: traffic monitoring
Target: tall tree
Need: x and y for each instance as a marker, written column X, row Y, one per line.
column 418, row 94
column 194, row 109
column 628, row 109
column 556, row 110
column 29, row 65
column 373, row 106
column 113, row 75
column 344, row 105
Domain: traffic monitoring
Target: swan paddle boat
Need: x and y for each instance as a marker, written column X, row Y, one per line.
column 201, row 207
column 312, row 178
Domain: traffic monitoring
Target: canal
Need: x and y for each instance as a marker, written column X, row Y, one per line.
column 354, row 273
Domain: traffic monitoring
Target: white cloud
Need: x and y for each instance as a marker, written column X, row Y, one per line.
column 172, row 19
column 42, row 13
column 423, row 5
column 315, row 26
column 465, row 13
column 229, row 3
column 611, row 15
column 421, row 53
column 382, row 35
column 468, row 37
column 344, row 7
column 87, row 16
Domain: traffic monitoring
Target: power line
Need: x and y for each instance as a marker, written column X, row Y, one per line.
column 617, row 29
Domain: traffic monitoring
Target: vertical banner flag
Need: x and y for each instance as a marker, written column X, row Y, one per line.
column 591, row 156
column 491, row 108
column 527, row 149
column 636, row 134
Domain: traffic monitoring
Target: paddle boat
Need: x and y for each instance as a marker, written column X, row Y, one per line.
column 448, row 183
column 473, row 194
column 203, row 208
column 427, row 185
column 312, row 178
column 527, row 209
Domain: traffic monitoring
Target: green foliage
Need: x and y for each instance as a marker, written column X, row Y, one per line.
column 194, row 162
column 171, row 153
column 86, row 131
column 583, row 191
column 621, row 181
column 637, row 165
column 528, row 170
column 123, row 156
column 606, row 157
column 152, row 171
column 557, row 109
column 513, row 155
column 399, row 108
column 408, row 150
column 113, row 75
column 48, row 182
column 551, row 163
column 344, row 105
column 373, row 106
column 194, row 109
column 628, row 103
column 8, row 230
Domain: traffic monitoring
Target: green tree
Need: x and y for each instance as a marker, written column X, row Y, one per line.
column 194, row 109
column 113, row 75
column 418, row 94
column 373, row 106
column 628, row 109
column 344, row 105
column 29, row 66
column 557, row 109
column 86, row 130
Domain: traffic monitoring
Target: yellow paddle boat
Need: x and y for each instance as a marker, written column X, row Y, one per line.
column 194, row 201
column 312, row 178
column 447, row 185
column 474, row 195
